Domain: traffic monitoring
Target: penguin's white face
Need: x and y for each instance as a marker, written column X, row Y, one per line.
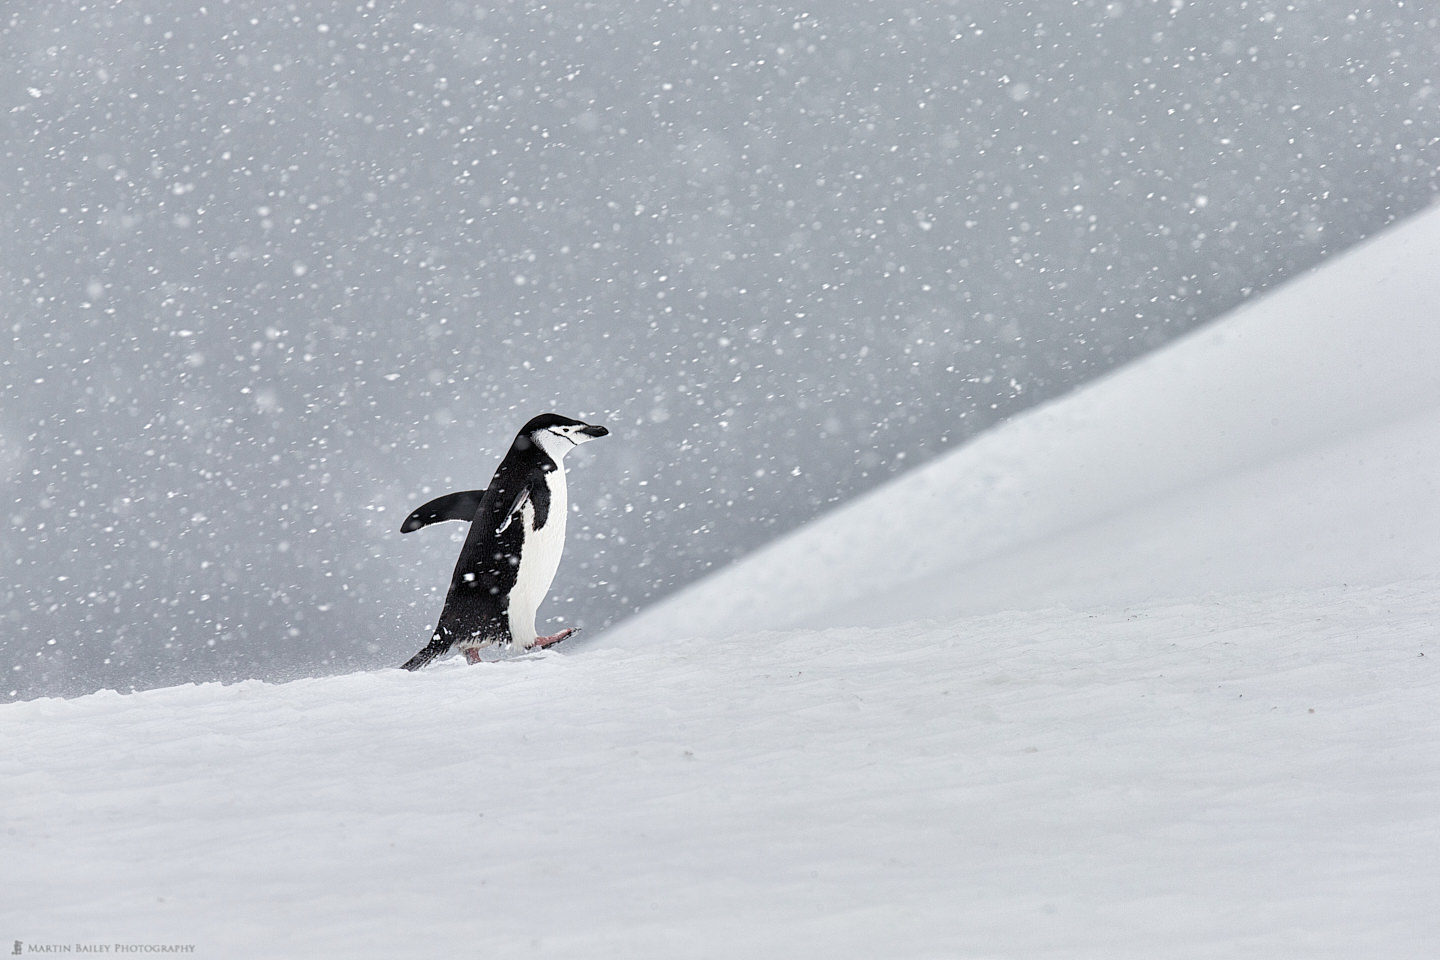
column 559, row 439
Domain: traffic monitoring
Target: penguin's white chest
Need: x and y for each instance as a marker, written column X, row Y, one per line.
column 539, row 559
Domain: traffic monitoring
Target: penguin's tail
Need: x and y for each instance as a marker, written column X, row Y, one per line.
column 437, row 646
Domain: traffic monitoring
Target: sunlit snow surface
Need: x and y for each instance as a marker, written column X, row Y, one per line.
column 1147, row 673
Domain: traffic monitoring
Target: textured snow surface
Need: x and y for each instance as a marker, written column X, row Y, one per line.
column 1134, row 783
column 1147, row 673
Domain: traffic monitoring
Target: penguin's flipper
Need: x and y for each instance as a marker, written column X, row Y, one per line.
column 520, row 500
column 438, row 645
column 453, row 506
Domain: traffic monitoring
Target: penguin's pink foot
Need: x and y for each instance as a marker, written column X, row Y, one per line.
column 472, row 655
column 542, row 642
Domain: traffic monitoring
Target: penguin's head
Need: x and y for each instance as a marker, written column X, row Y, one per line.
column 557, row 435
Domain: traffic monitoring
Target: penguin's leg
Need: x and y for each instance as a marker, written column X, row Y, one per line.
column 542, row 642
column 491, row 631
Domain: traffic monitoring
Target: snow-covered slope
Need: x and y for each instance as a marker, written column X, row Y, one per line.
column 1147, row 673
column 1291, row 444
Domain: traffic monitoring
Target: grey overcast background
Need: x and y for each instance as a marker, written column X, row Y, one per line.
column 274, row 273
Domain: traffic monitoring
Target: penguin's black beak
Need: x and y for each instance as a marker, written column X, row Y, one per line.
column 595, row 431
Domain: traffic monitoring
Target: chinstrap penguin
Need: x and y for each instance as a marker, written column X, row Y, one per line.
column 517, row 532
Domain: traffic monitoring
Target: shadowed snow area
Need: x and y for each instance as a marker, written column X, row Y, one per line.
column 1149, row 672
